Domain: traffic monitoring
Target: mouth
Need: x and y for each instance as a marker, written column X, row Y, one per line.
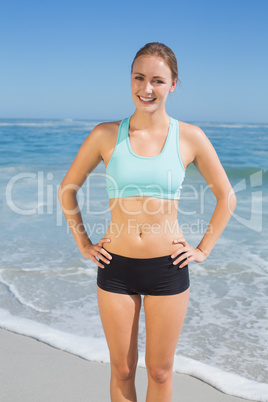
column 146, row 100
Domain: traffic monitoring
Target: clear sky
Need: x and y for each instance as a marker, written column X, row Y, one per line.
column 71, row 59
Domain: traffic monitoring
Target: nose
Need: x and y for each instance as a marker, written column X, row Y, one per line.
column 147, row 87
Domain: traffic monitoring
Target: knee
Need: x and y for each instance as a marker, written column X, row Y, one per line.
column 159, row 374
column 124, row 371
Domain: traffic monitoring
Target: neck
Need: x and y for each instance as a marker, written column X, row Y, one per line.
column 149, row 120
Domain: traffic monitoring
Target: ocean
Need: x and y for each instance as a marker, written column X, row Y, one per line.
column 48, row 290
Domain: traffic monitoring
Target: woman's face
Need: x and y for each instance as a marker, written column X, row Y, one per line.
column 151, row 82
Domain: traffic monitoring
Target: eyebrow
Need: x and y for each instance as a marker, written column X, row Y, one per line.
column 156, row 76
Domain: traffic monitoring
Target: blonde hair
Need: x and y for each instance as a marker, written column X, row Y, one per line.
column 160, row 50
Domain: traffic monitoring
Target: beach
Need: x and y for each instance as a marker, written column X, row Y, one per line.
column 68, row 68
column 33, row 371
column 48, row 290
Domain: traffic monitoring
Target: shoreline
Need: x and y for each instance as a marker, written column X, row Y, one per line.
column 32, row 370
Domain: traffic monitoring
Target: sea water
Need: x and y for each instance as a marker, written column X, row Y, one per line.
column 48, row 290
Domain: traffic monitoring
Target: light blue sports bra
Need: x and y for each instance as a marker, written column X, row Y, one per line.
column 131, row 175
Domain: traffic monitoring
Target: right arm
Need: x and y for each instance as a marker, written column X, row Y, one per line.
column 87, row 158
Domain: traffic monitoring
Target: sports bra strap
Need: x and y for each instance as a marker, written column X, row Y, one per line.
column 123, row 129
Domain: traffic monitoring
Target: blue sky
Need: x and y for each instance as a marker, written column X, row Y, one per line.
column 71, row 59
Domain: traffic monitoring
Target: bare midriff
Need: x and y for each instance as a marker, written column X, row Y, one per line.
column 143, row 227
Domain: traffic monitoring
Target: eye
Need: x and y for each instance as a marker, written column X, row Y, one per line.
column 138, row 78
column 159, row 82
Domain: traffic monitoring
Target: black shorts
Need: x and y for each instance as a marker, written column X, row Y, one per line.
column 147, row 276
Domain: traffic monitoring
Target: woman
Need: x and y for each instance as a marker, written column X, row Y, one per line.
column 144, row 250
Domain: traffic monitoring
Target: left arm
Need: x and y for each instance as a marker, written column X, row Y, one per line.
column 208, row 164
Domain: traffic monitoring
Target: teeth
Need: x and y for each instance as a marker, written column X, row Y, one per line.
column 146, row 99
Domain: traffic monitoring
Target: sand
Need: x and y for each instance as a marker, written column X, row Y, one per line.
column 32, row 371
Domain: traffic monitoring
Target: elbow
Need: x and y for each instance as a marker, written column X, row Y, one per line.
column 232, row 200
column 66, row 191
column 228, row 199
column 61, row 192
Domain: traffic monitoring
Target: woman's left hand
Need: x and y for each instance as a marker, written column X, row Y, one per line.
column 189, row 252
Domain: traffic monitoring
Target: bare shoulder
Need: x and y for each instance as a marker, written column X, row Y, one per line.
column 91, row 152
column 105, row 131
column 190, row 132
column 205, row 158
column 192, row 141
column 108, row 126
column 104, row 137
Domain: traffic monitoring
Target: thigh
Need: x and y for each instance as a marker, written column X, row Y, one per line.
column 164, row 317
column 120, row 320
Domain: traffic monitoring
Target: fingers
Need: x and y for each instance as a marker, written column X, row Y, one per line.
column 181, row 249
column 97, row 257
column 182, row 241
column 183, row 253
column 104, row 240
column 183, row 259
column 97, row 262
column 100, row 253
column 106, row 254
column 103, row 251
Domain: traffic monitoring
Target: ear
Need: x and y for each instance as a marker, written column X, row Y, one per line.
column 173, row 86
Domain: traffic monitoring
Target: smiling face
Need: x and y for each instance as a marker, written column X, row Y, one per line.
column 151, row 82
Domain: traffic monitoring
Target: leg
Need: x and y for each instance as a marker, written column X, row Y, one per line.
column 164, row 317
column 120, row 317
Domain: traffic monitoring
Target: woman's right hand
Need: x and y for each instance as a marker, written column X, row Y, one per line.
column 94, row 251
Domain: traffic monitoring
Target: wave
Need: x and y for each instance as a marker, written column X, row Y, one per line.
column 231, row 125
column 245, row 172
column 95, row 349
column 13, row 169
column 15, row 293
column 233, row 171
column 28, row 124
column 229, row 383
column 72, row 122
column 48, row 123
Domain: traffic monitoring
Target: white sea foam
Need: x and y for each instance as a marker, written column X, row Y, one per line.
column 71, row 122
column 226, row 382
column 79, row 124
column 95, row 349
column 14, row 169
column 44, row 271
column 231, row 125
column 14, row 291
column 34, row 124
